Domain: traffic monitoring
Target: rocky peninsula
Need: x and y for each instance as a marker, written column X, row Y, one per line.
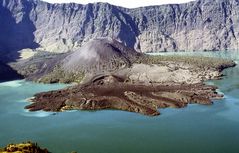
column 109, row 75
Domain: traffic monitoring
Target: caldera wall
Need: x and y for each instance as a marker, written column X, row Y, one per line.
column 198, row 25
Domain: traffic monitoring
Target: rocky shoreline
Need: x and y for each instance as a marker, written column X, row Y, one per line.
column 144, row 99
column 26, row 147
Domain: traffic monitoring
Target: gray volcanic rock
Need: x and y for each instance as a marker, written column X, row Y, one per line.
column 98, row 56
column 198, row 25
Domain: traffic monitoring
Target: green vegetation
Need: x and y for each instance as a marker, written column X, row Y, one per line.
column 60, row 76
column 26, row 147
column 28, row 69
column 199, row 61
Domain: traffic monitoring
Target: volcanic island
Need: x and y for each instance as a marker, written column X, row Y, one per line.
column 106, row 74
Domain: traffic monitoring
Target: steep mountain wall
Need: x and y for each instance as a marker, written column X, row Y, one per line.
column 198, row 25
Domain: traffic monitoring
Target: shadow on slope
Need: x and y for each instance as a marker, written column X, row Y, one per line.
column 7, row 73
column 14, row 36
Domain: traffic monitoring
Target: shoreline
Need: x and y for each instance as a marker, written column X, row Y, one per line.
column 126, row 97
column 140, row 96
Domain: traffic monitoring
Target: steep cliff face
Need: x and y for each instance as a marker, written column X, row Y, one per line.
column 17, row 28
column 198, row 25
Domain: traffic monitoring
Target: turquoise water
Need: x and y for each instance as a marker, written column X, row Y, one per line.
column 194, row 129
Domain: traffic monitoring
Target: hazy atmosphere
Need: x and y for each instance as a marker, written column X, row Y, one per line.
column 125, row 3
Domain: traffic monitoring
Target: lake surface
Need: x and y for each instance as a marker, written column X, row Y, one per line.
column 194, row 129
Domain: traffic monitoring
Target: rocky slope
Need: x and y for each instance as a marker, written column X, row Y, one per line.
column 198, row 25
column 98, row 56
